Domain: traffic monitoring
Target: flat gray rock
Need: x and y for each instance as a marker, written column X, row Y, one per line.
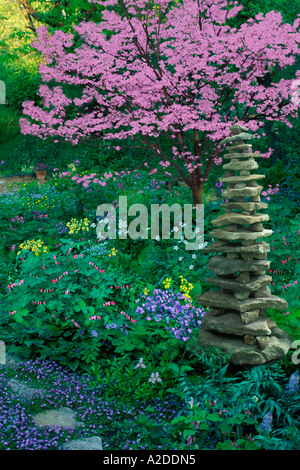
column 61, row 417
column 246, row 205
column 234, row 138
column 223, row 266
column 242, row 192
column 250, row 164
column 235, row 218
column 231, row 323
column 242, row 353
column 217, row 299
column 248, row 286
column 22, row 389
column 241, row 179
column 221, row 246
column 239, row 235
column 90, row 443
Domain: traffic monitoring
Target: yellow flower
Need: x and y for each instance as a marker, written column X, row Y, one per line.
column 167, row 282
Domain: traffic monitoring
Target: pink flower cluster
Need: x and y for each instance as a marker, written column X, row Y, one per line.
column 96, row 267
column 270, row 191
column 18, row 219
column 60, row 277
column 128, row 316
column 95, row 317
column 289, row 285
column 121, row 287
column 177, row 91
column 15, row 284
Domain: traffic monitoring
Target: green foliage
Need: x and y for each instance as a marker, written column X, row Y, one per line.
column 229, row 410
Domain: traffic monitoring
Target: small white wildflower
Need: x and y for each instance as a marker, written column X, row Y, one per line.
column 180, row 258
column 191, row 267
column 175, row 247
column 194, row 256
column 140, row 364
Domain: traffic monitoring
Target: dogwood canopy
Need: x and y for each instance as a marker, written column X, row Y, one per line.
column 166, row 70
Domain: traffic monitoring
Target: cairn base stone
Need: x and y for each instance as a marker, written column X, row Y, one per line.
column 242, row 353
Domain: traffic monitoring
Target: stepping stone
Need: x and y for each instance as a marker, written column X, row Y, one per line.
column 59, row 417
column 90, row 443
column 23, row 390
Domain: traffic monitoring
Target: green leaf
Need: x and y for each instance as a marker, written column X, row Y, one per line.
column 214, row 417
column 197, row 290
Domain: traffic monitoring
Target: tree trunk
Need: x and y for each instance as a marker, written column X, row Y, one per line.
column 197, row 192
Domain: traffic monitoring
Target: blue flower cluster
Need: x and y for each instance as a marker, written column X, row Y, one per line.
column 174, row 310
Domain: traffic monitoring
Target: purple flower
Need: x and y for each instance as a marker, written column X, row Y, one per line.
column 267, row 423
column 293, row 385
column 170, row 308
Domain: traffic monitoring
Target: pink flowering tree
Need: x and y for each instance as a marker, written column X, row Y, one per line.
column 162, row 71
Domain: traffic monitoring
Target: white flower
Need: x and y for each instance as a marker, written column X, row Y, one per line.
column 180, row 258
column 157, row 237
column 176, row 229
column 140, row 364
column 202, row 245
column 192, row 403
column 194, row 256
column 175, row 247
column 155, row 377
column 191, row 267
column 93, row 225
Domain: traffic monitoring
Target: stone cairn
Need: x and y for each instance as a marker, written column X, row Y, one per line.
column 236, row 320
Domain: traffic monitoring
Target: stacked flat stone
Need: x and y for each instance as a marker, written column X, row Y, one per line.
column 236, row 320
